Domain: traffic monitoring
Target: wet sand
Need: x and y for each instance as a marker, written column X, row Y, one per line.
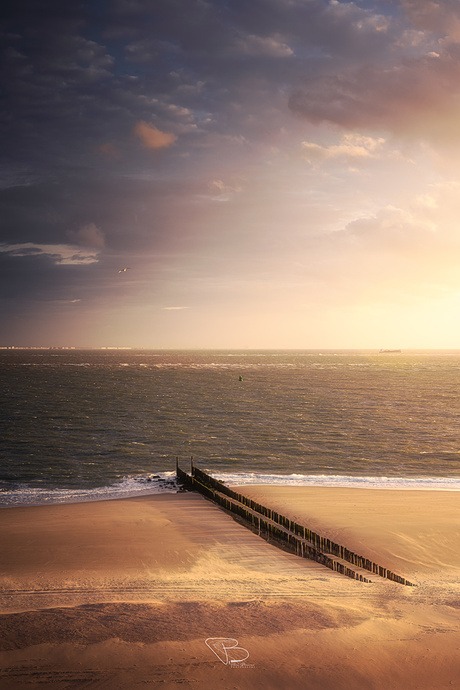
column 124, row 594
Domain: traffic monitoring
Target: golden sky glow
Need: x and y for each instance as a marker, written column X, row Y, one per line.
column 274, row 175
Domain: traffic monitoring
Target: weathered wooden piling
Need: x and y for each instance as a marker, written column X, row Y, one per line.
column 296, row 538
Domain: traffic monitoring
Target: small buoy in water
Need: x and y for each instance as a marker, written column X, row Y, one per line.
column 240, row 379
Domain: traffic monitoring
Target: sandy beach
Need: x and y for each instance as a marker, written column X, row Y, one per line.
column 136, row 592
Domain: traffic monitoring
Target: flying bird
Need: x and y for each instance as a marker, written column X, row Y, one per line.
column 123, row 270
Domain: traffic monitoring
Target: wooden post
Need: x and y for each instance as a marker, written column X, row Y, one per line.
column 243, row 506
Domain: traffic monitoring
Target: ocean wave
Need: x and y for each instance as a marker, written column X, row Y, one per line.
column 128, row 487
column 431, row 483
column 165, row 482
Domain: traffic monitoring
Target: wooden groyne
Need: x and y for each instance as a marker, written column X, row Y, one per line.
column 272, row 526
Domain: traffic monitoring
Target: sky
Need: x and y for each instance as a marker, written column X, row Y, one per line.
column 271, row 173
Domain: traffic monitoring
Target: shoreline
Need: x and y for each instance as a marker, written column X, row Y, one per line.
column 113, row 492
column 127, row 591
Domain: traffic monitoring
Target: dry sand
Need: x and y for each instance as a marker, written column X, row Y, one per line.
column 124, row 594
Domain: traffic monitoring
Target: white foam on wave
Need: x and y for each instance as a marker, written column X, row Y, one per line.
column 432, row 483
column 165, row 482
column 128, row 487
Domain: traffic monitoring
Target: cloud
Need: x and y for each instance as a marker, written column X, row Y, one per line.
column 69, row 96
column 224, row 190
column 418, row 97
column 60, row 254
column 393, row 230
column 413, row 246
column 108, row 149
column 263, row 45
column 315, row 27
column 217, row 78
column 442, row 18
column 152, row 137
column 174, row 308
column 88, row 236
column 352, row 146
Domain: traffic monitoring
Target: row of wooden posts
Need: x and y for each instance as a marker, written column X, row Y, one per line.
column 290, row 534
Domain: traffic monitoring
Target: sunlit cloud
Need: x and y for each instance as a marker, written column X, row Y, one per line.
column 433, row 16
column 351, row 146
column 174, row 308
column 67, row 301
column 224, row 191
column 109, row 149
column 152, row 137
column 417, row 97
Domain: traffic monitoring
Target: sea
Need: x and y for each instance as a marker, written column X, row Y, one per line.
column 82, row 425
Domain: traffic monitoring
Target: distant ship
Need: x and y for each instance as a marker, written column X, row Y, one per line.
column 386, row 351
